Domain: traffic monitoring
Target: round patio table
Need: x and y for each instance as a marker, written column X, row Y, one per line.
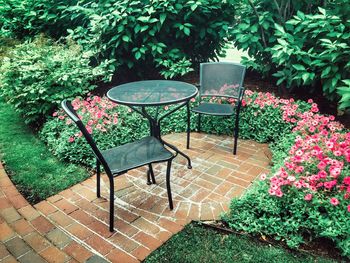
column 141, row 95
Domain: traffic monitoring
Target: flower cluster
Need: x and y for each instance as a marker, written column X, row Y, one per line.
column 95, row 112
column 318, row 162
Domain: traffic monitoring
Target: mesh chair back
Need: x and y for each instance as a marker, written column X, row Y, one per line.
column 223, row 79
column 68, row 108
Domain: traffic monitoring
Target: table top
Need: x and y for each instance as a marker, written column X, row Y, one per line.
column 152, row 92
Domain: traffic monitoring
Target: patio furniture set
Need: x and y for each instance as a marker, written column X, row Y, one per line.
column 217, row 79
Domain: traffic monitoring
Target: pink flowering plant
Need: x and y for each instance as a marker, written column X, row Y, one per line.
column 110, row 125
column 307, row 194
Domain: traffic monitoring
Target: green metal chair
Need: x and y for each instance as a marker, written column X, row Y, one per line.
column 121, row 159
column 221, row 79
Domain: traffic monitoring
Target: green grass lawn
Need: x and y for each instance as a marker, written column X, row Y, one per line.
column 36, row 173
column 201, row 244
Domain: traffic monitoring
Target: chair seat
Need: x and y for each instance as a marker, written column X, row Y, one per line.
column 214, row 109
column 136, row 154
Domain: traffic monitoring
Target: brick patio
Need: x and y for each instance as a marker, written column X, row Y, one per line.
column 72, row 226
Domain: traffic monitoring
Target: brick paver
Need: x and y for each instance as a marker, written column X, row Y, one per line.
column 72, row 226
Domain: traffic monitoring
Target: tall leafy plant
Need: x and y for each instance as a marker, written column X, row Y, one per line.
column 167, row 35
column 314, row 49
column 36, row 75
column 254, row 28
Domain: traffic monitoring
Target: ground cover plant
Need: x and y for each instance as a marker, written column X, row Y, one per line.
column 306, row 197
column 36, row 173
column 199, row 244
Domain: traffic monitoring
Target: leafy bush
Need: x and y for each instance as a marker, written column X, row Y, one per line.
column 167, row 35
column 300, row 43
column 308, row 193
column 38, row 74
column 254, row 28
column 314, row 49
column 26, row 18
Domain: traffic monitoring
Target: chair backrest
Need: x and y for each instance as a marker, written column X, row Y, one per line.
column 68, row 108
column 223, row 79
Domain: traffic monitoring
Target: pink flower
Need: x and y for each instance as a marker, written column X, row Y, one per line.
column 308, row 197
column 299, row 169
column 71, row 139
column 262, row 176
column 349, row 208
column 334, row 201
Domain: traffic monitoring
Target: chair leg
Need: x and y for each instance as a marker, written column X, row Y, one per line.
column 236, row 131
column 98, row 178
column 188, row 125
column 168, row 185
column 199, row 123
column 150, row 171
column 235, row 142
column 111, row 204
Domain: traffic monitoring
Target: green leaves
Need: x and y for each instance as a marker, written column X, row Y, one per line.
column 344, row 93
column 45, row 73
column 138, row 33
column 314, row 49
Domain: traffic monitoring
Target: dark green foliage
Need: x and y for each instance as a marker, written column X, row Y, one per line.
column 37, row 75
column 144, row 35
column 301, row 43
column 254, row 28
column 36, row 173
column 314, row 49
column 26, row 18
column 199, row 244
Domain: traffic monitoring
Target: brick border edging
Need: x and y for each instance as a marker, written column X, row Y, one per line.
column 26, row 234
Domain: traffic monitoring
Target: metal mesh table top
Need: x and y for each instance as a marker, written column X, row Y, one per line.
column 152, row 92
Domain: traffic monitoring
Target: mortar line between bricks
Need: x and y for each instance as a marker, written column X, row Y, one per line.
column 82, row 242
column 74, row 238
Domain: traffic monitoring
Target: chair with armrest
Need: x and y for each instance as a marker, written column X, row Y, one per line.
column 121, row 159
column 225, row 80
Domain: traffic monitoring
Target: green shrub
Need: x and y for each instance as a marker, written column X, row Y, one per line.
column 302, row 44
column 254, row 28
column 314, row 49
column 145, row 35
column 26, row 18
column 38, row 74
